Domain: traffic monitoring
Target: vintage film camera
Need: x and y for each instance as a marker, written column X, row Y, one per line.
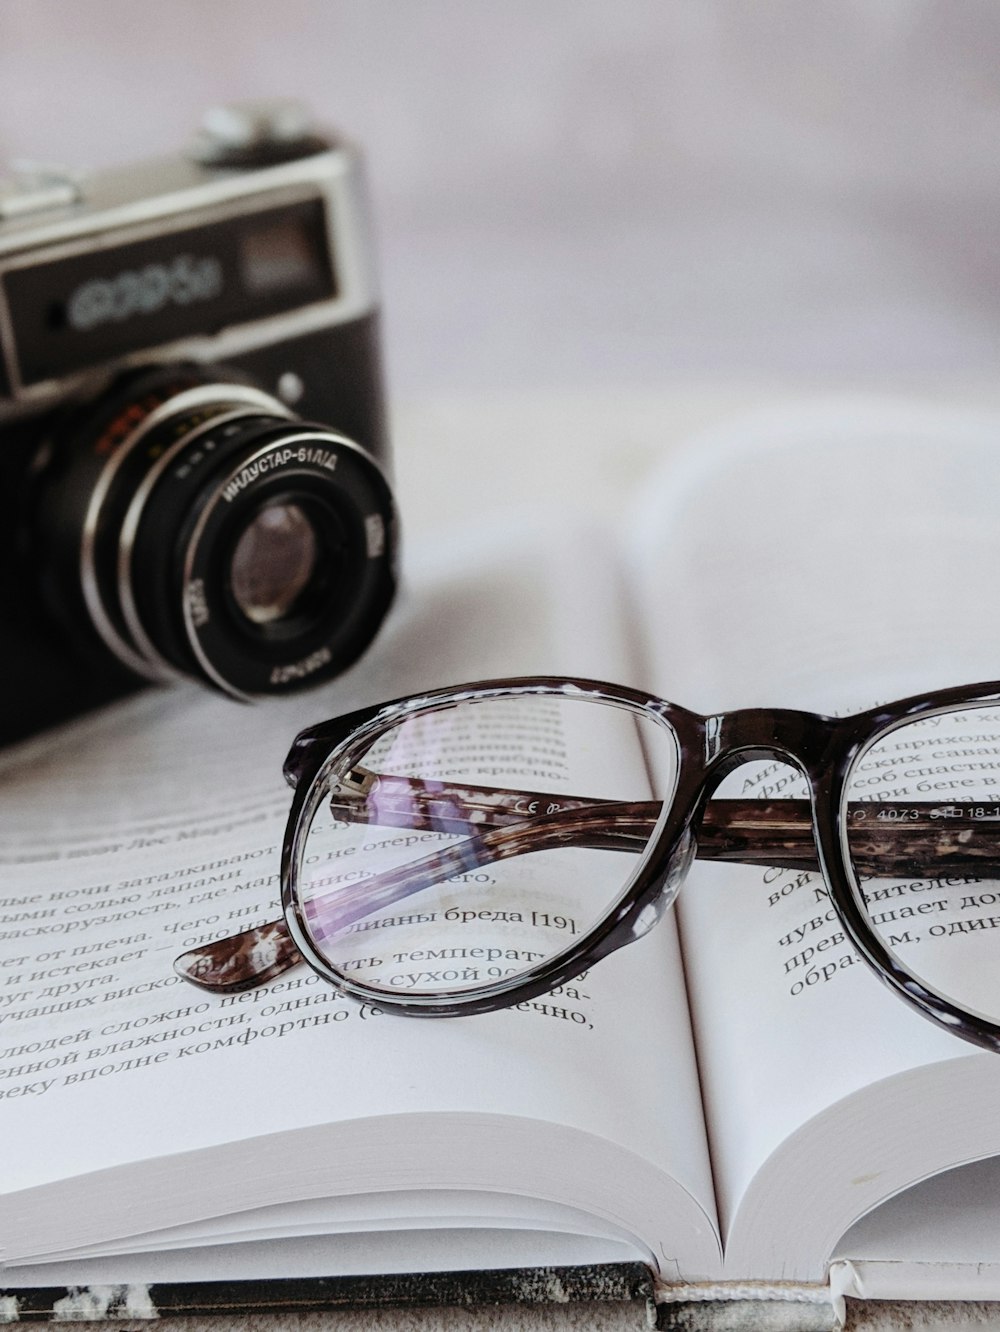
column 166, row 331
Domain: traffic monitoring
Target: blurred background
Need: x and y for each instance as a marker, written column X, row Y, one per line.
column 576, row 193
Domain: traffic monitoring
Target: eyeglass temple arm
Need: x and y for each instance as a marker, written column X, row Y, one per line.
column 758, row 832
column 890, row 838
column 257, row 955
column 887, row 837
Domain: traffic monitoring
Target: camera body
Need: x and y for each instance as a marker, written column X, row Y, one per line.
column 243, row 264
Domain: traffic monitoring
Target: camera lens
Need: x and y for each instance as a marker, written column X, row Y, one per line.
column 201, row 530
column 274, row 563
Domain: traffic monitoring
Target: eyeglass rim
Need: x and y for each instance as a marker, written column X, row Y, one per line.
column 845, row 885
column 824, row 750
column 622, row 923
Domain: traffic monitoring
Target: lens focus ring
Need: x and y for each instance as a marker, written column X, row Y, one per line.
column 218, row 537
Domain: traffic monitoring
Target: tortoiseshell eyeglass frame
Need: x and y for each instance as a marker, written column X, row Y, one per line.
column 794, row 833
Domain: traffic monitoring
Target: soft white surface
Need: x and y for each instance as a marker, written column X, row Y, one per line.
column 578, row 192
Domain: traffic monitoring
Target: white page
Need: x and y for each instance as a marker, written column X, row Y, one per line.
column 442, row 1209
column 366, row 1255
column 946, row 1230
column 823, row 558
column 199, row 779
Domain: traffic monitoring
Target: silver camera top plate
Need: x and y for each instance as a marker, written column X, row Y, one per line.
column 54, row 221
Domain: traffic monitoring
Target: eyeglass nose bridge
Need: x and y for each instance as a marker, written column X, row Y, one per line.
column 803, row 741
column 749, row 735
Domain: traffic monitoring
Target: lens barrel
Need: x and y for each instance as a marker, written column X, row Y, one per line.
column 200, row 530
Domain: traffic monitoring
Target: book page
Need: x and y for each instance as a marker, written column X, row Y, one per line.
column 953, row 1218
column 828, row 557
column 132, row 835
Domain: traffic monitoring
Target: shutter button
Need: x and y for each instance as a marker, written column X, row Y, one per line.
column 256, row 133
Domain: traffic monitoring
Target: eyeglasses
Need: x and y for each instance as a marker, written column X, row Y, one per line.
column 469, row 849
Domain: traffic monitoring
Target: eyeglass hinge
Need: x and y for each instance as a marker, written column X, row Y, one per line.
column 358, row 783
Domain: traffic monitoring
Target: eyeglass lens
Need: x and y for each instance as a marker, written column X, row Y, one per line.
column 471, row 844
column 936, row 904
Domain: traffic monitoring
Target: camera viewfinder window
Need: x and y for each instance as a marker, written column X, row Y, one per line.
column 280, row 257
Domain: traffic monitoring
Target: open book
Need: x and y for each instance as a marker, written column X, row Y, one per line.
column 714, row 1101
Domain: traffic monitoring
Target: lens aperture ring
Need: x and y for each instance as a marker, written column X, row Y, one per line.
column 128, row 458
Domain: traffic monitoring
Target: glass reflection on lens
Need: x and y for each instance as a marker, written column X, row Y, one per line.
column 273, row 563
column 476, row 846
column 930, row 791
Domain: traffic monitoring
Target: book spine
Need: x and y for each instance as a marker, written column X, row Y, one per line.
column 749, row 1307
column 604, row 1283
